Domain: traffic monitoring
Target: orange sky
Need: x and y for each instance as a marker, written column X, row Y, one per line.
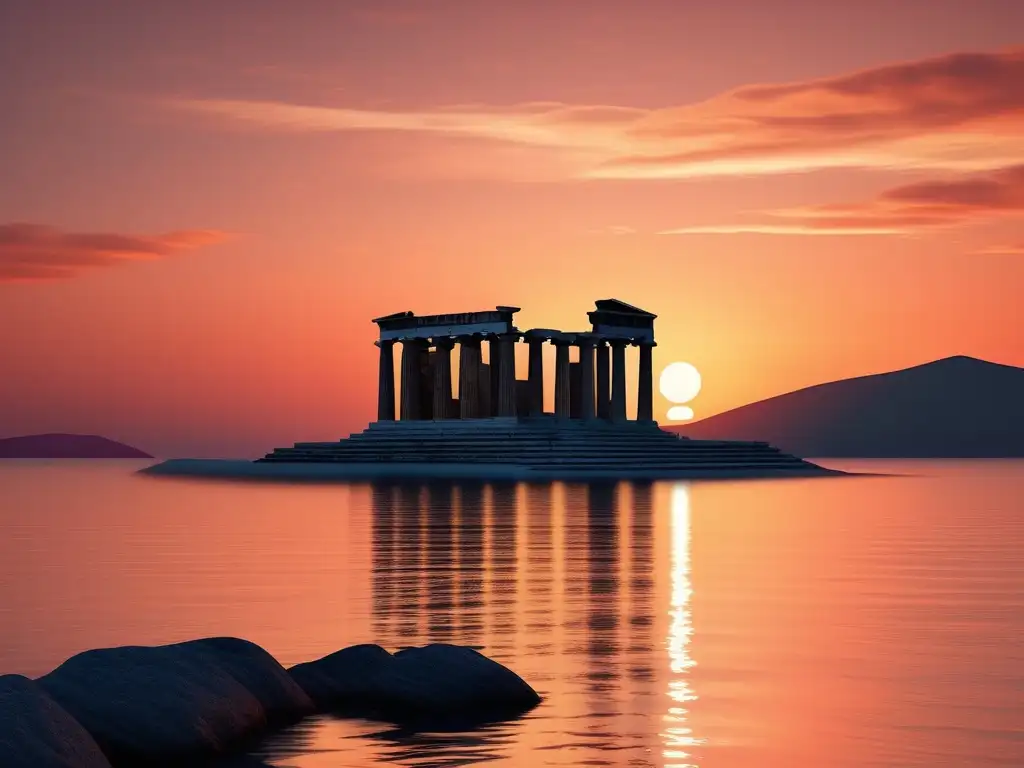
column 203, row 205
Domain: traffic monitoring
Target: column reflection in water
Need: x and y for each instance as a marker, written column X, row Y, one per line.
column 677, row 735
column 470, row 539
column 406, row 575
column 538, row 568
column 503, row 577
column 438, row 568
column 383, row 554
column 641, row 583
column 603, row 593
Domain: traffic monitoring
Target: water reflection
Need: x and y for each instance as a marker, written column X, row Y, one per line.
column 602, row 588
column 538, row 569
column 641, row 583
column 678, row 735
column 559, row 579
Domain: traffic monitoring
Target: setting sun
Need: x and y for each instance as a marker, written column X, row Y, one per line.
column 680, row 383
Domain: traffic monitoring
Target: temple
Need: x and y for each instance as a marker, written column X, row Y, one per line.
column 494, row 425
column 582, row 389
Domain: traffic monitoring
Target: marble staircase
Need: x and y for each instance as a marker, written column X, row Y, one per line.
column 545, row 444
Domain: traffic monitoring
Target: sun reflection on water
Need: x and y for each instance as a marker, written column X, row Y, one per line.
column 677, row 735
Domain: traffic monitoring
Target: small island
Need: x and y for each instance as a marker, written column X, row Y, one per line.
column 63, row 446
column 497, row 428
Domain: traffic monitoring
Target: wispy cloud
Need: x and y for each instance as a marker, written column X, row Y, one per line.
column 960, row 112
column 588, row 131
column 1015, row 249
column 901, row 210
column 37, row 252
column 778, row 229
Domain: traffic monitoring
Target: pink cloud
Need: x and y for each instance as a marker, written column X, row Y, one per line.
column 961, row 112
column 37, row 252
column 936, row 112
column 909, row 208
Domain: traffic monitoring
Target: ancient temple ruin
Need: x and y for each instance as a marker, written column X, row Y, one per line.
column 587, row 389
column 495, row 426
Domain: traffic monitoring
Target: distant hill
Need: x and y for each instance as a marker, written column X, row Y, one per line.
column 957, row 407
column 56, row 446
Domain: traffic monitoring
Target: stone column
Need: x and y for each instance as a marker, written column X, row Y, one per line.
column 604, row 405
column 469, row 377
column 443, row 378
column 645, row 391
column 494, row 347
column 586, row 347
column 411, row 349
column 561, row 378
column 536, row 374
column 507, row 374
column 386, row 381
column 619, row 379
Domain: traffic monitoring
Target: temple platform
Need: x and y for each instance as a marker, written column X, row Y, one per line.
column 510, row 448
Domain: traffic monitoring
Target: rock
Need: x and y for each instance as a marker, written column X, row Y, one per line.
column 173, row 702
column 344, row 679
column 436, row 681
column 282, row 698
column 194, row 701
column 450, row 680
column 35, row 732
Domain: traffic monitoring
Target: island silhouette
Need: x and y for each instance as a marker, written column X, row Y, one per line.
column 64, row 446
column 956, row 407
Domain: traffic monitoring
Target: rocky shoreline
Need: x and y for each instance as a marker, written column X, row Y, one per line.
column 204, row 699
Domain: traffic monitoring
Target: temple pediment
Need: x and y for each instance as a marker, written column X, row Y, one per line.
column 617, row 319
column 393, row 316
column 614, row 305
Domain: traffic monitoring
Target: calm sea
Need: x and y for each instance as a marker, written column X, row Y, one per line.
column 863, row 621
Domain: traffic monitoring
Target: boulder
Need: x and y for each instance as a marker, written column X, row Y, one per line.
column 450, row 680
column 35, row 732
column 282, row 698
column 435, row 681
column 162, row 704
column 344, row 680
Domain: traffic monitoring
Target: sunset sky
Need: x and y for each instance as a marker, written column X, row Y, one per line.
column 204, row 202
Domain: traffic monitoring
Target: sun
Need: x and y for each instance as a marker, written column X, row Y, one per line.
column 680, row 383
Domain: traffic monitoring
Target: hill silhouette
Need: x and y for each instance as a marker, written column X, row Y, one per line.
column 957, row 407
column 58, row 446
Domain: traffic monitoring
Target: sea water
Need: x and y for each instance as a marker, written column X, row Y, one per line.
column 854, row 621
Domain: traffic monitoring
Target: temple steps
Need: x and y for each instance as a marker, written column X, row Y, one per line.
column 503, row 449
column 543, row 444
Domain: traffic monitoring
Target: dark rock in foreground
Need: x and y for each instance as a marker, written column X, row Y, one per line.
column 435, row 681
column 344, row 680
column 162, row 704
column 35, row 732
column 188, row 702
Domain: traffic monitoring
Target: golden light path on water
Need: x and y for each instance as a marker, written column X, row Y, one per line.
column 677, row 735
